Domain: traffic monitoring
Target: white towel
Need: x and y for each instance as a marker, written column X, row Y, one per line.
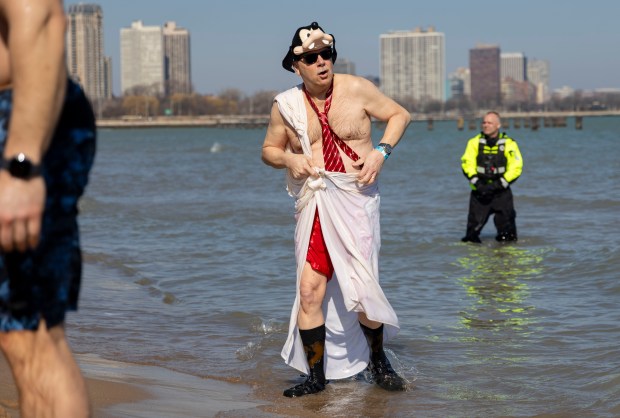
column 349, row 213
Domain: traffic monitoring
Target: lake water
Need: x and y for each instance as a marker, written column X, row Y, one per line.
column 189, row 266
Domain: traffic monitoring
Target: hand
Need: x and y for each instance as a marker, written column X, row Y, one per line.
column 483, row 189
column 495, row 186
column 300, row 166
column 370, row 167
column 21, row 209
column 473, row 182
column 488, row 189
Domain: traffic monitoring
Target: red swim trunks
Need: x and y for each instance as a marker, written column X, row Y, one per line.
column 318, row 257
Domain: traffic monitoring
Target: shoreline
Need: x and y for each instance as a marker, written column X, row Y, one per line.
column 102, row 393
column 118, row 389
column 261, row 121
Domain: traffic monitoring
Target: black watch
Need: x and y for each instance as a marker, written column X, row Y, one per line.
column 386, row 147
column 21, row 167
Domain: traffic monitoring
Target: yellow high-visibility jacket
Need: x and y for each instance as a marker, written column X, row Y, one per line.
column 501, row 161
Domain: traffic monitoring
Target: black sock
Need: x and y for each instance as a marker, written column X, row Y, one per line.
column 310, row 336
column 375, row 340
column 313, row 341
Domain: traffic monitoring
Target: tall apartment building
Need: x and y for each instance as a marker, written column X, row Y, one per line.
column 413, row 65
column 85, row 56
column 107, row 71
column 538, row 75
column 484, row 67
column 513, row 65
column 513, row 77
column 142, row 58
column 344, row 66
column 460, row 83
column 177, row 67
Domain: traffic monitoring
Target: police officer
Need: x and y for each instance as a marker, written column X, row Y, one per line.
column 491, row 162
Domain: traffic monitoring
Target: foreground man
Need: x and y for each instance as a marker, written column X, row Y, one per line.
column 491, row 162
column 47, row 144
column 320, row 132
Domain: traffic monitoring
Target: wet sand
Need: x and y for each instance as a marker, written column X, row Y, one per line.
column 102, row 393
column 121, row 389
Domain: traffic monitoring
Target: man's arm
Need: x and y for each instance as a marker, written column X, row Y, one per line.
column 36, row 45
column 469, row 160
column 469, row 164
column 274, row 148
column 380, row 107
column 34, row 34
column 514, row 162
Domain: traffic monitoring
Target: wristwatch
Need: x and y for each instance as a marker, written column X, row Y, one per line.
column 385, row 149
column 21, row 167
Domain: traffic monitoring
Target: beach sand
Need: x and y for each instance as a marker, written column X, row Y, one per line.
column 119, row 389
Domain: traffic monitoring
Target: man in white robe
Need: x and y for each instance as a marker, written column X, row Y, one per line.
column 320, row 132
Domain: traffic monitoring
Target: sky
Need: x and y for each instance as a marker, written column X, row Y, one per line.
column 240, row 44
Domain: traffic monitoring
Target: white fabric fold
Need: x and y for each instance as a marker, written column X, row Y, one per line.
column 349, row 213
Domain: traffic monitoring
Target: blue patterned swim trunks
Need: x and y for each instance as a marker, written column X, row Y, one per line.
column 45, row 282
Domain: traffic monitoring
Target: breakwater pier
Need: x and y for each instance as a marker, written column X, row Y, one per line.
column 471, row 121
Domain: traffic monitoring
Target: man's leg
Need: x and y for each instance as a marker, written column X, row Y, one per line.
column 312, row 288
column 312, row 330
column 382, row 371
column 505, row 217
column 47, row 377
column 476, row 219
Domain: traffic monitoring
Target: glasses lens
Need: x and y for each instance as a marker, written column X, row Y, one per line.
column 326, row 54
column 310, row 59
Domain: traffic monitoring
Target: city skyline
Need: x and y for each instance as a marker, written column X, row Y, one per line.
column 240, row 43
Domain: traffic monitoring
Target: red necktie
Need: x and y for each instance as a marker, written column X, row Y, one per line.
column 331, row 142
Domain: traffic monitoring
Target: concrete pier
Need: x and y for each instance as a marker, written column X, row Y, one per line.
column 550, row 119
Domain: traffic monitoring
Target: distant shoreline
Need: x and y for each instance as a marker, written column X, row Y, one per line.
column 259, row 121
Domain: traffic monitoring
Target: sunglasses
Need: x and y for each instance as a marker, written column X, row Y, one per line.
column 311, row 58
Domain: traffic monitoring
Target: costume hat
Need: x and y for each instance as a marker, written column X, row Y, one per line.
column 307, row 39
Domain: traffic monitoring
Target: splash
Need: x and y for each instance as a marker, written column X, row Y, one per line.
column 216, row 147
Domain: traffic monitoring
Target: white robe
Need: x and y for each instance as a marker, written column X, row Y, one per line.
column 349, row 213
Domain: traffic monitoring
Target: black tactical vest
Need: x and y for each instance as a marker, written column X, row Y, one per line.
column 491, row 159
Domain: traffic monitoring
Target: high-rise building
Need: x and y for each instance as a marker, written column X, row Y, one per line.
column 513, row 65
column 142, row 59
column 413, row 65
column 177, row 65
column 107, row 71
column 484, row 67
column 344, row 66
column 538, row 75
column 85, row 55
column 460, row 83
column 513, row 77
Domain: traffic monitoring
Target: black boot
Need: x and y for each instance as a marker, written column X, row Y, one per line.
column 508, row 235
column 314, row 347
column 382, row 372
column 471, row 238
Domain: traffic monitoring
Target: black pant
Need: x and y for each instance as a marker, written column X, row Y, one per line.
column 481, row 207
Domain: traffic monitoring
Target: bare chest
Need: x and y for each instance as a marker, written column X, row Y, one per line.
column 349, row 123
